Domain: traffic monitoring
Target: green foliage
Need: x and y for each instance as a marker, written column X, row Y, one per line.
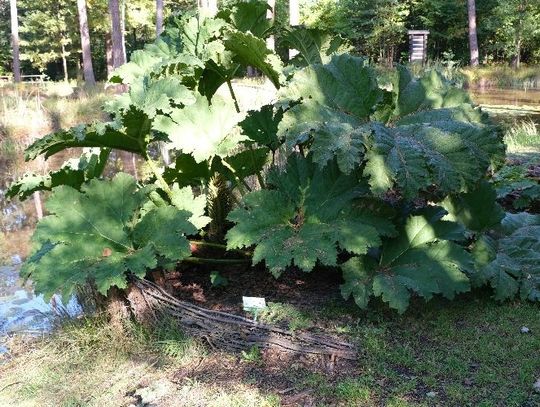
column 476, row 210
column 304, row 220
column 447, row 156
column 46, row 33
column 314, row 46
column 129, row 134
column 73, row 173
column 253, row 355
column 278, row 313
column 433, row 147
column 509, row 259
column 98, row 235
column 337, row 172
column 431, row 91
column 217, row 280
column 424, row 259
column 516, row 184
column 209, row 128
column 261, row 126
column 248, row 16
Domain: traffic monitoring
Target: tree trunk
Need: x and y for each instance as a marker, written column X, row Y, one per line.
column 118, row 59
column 64, row 61
column 117, row 34
column 473, row 38
column 518, row 53
column 123, row 28
column 109, row 54
column 15, row 40
column 294, row 20
column 159, row 17
column 85, row 44
column 37, row 203
column 270, row 14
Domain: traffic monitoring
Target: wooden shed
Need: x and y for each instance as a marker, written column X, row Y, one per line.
column 418, row 45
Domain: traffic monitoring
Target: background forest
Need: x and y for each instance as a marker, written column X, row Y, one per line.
column 508, row 30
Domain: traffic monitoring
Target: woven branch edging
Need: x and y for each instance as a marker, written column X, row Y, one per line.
column 233, row 332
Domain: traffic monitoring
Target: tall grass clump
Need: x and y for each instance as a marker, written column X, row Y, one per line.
column 522, row 134
column 29, row 111
column 503, row 76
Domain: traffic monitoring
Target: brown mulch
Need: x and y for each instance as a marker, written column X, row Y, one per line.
column 306, row 291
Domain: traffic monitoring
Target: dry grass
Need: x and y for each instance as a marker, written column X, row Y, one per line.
column 88, row 363
column 29, row 111
column 526, row 77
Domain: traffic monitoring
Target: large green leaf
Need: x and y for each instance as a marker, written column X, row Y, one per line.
column 131, row 133
column 184, row 200
column 314, row 46
column 509, row 260
column 73, row 173
column 343, row 91
column 186, row 171
column 141, row 64
column 161, row 58
column 247, row 49
column 200, row 35
column 423, row 260
column 477, row 209
column 334, row 100
column 448, row 156
column 448, row 147
column 431, row 91
column 261, row 126
column 248, row 162
column 305, row 219
column 248, row 16
column 95, row 235
column 153, row 96
column 202, row 129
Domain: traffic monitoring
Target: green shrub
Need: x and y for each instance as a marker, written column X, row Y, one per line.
column 387, row 185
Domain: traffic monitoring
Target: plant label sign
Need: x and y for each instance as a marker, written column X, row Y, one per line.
column 253, row 304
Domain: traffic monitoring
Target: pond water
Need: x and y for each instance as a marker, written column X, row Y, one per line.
column 509, row 104
column 21, row 311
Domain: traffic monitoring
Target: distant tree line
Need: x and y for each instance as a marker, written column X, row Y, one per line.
column 508, row 31
column 55, row 35
column 52, row 40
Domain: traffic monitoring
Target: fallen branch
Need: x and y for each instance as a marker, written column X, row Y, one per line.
column 233, row 332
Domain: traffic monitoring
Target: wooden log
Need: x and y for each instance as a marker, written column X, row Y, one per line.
column 235, row 333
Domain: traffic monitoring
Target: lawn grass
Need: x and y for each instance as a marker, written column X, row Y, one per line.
column 470, row 352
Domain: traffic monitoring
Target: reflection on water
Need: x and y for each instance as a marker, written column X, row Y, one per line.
column 509, row 104
column 21, row 311
column 515, row 97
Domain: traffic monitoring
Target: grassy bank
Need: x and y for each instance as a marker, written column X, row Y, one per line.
column 503, row 76
column 494, row 76
column 29, row 111
column 468, row 352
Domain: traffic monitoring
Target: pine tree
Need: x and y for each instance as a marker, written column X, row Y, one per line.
column 15, row 41
column 85, row 44
column 473, row 38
